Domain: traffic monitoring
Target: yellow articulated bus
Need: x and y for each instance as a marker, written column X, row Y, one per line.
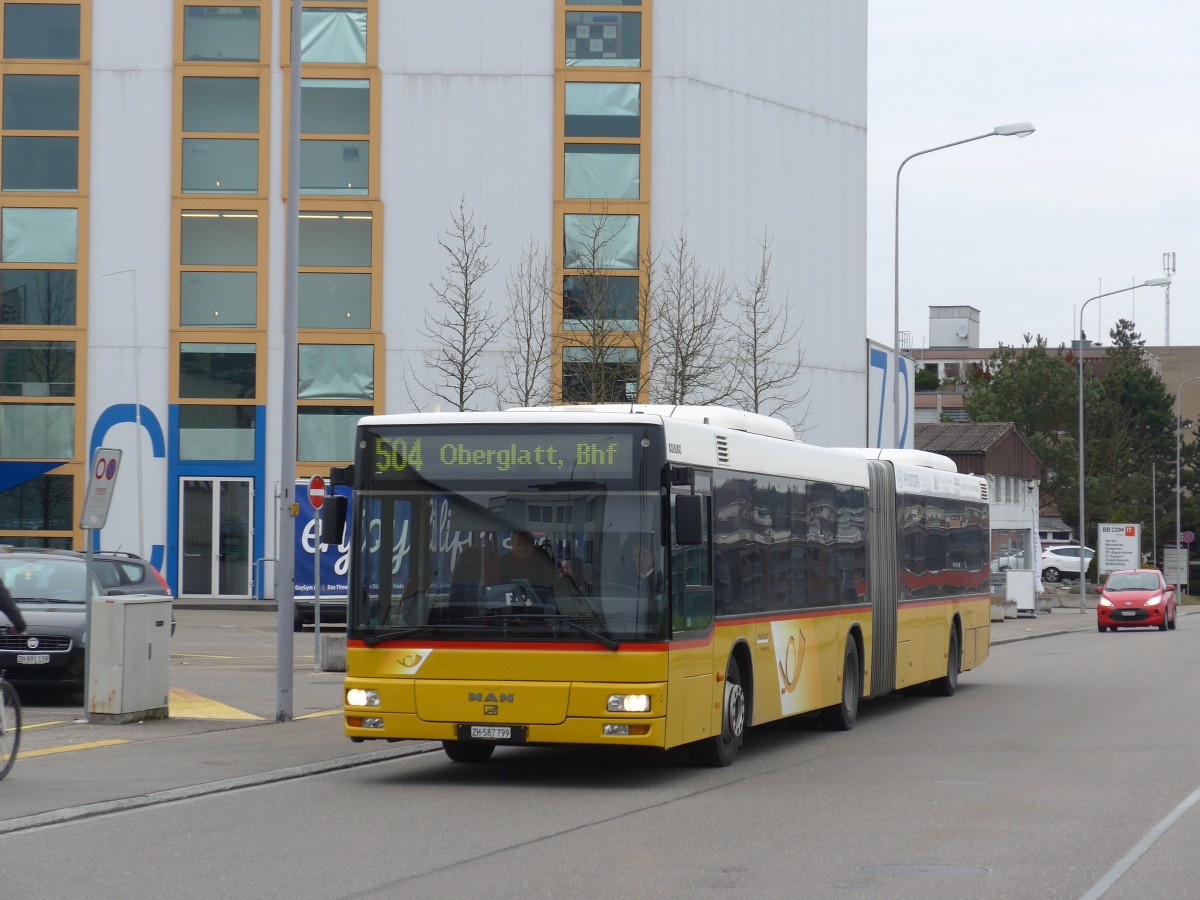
column 650, row 576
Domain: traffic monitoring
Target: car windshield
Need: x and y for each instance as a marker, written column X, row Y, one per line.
column 44, row 580
column 1133, row 581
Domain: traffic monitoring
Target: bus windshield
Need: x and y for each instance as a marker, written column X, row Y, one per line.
column 517, row 536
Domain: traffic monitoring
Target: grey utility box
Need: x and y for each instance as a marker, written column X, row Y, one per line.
column 130, row 658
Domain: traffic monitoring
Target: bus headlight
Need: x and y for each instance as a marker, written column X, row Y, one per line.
column 634, row 703
column 359, row 697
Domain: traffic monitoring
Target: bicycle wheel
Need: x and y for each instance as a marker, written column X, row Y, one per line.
column 10, row 726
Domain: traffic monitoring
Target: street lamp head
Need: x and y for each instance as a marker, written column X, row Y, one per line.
column 1161, row 281
column 1020, row 129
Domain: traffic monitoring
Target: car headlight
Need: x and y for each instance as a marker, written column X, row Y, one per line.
column 1154, row 601
column 1104, row 601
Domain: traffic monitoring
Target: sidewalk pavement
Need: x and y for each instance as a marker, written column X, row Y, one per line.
column 119, row 767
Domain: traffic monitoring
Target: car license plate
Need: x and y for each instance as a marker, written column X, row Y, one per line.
column 491, row 732
column 33, row 659
column 1129, row 612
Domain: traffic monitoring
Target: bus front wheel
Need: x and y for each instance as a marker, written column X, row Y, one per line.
column 466, row 751
column 721, row 749
column 842, row 716
column 947, row 685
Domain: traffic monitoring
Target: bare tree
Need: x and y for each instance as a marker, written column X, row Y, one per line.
column 764, row 336
column 527, row 366
column 463, row 324
column 690, row 355
column 603, row 347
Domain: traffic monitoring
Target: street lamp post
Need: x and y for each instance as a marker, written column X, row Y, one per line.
column 1019, row 129
column 1150, row 282
column 1178, row 489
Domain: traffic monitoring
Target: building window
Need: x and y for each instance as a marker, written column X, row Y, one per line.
column 335, row 239
column 602, row 171
column 220, row 105
column 333, row 36
column 609, row 375
column 44, row 503
column 600, row 242
column 335, row 106
column 218, row 299
column 220, row 166
column 611, row 300
column 47, row 161
column 336, row 372
column 219, row 238
column 37, row 431
column 31, row 235
column 221, row 34
column 37, row 297
column 216, row 432
column 216, row 164
column 338, row 168
column 334, row 300
column 37, row 368
column 603, row 110
column 41, row 31
column 326, row 433
column 604, row 39
column 217, row 370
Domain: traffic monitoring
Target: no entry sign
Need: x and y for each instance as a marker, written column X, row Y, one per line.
column 316, row 491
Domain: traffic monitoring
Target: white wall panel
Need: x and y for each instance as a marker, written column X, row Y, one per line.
column 759, row 125
column 128, row 268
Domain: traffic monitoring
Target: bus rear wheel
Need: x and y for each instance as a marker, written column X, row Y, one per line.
column 842, row 716
column 721, row 749
column 467, row 751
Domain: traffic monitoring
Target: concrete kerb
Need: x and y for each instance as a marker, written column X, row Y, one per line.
column 189, row 792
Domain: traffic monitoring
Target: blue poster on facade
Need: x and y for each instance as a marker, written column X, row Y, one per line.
column 335, row 560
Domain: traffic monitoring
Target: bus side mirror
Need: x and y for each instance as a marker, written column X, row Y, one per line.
column 689, row 519
column 333, row 519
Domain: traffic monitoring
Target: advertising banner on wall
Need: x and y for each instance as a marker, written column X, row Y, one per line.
column 335, row 561
column 1120, row 548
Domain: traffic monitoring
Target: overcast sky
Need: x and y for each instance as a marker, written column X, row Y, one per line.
column 1027, row 229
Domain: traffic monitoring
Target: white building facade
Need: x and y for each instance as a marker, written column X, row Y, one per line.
column 144, row 209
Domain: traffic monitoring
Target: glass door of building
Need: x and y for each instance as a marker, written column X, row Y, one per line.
column 215, row 525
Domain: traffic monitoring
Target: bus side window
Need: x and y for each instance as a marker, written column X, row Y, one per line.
column 691, row 575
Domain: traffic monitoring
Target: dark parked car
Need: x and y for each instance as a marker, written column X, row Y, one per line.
column 48, row 585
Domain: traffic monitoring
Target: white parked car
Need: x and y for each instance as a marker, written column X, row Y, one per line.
column 1065, row 562
column 1006, row 561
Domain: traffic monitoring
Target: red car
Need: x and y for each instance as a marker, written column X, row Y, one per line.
column 1136, row 598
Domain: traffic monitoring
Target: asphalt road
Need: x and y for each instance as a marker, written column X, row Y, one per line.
column 1062, row 768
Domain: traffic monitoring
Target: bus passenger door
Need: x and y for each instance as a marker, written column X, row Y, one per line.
column 691, row 590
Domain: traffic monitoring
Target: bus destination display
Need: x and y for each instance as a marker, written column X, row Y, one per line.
column 559, row 456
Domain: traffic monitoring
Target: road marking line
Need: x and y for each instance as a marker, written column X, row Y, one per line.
column 25, row 727
column 1126, row 862
column 187, row 705
column 28, row 754
column 322, row 714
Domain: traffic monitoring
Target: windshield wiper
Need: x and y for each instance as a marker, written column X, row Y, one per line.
column 572, row 622
column 374, row 639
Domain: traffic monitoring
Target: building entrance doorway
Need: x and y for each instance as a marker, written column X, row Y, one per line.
column 215, row 525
